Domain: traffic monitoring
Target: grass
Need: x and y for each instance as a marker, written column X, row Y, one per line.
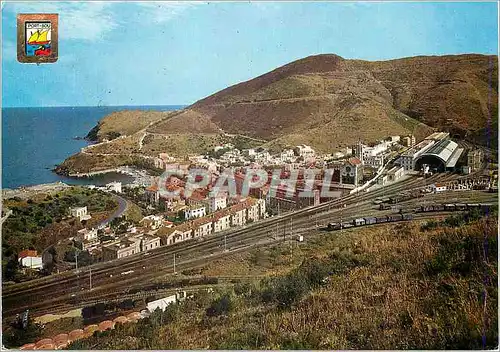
column 389, row 287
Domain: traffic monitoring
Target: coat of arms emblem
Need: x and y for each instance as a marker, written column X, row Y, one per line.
column 37, row 38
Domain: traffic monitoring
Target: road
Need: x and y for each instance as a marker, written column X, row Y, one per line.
column 55, row 292
column 122, row 207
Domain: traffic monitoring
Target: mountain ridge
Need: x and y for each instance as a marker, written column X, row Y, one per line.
column 330, row 102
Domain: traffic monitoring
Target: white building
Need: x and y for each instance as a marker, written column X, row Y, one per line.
column 114, row 186
column 250, row 152
column 194, row 212
column 87, row 235
column 152, row 222
column 238, row 217
column 305, row 151
column 163, row 303
column 395, row 173
column 407, row 159
column 222, row 222
column 375, row 150
column 437, row 187
column 374, row 161
column 287, row 156
column 79, row 212
column 263, row 157
column 202, row 227
column 256, row 210
column 217, row 203
column 30, row 259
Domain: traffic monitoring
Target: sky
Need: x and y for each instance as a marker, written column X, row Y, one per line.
column 175, row 53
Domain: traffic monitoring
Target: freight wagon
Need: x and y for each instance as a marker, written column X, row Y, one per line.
column 333, row 226
column 454, row 207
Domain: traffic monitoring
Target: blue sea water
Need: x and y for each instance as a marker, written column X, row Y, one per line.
column 35, row 140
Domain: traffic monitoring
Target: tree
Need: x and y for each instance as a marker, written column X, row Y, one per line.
column 17, row 335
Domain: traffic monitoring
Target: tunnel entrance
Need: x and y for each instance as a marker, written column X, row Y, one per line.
column 435, row 163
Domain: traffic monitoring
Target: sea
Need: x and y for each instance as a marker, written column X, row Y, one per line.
column 35, row 140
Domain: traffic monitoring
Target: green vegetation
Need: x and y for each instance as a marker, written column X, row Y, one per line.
column 243, row 142
column 16, row 334
column 24, row 229
column 391, row 287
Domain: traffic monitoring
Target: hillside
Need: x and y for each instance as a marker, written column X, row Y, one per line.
column 125, row 123
column 411, row 286
column 329, row 102
column 324, row 98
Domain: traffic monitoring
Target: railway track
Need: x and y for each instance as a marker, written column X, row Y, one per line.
column 108, row 280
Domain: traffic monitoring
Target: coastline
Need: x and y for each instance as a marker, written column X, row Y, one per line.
column 140, row 178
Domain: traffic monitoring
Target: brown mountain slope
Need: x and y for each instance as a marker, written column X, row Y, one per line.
column 329, row 102
column 325, row 101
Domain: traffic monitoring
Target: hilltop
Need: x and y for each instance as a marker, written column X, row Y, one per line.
column 328, row 102
column 324, row 98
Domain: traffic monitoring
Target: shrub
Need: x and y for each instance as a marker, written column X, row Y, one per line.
column 220, row 306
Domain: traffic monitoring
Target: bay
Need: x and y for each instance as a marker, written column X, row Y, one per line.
column 35, row 140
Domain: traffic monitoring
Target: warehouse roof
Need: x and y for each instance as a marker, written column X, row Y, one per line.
column 454, row 158
column 443, row 150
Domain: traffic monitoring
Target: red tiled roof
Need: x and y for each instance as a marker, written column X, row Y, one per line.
column 27, row 253
column 355, row 161
column 152, row 188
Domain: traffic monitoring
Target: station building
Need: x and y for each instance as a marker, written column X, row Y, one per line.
column 437, row 152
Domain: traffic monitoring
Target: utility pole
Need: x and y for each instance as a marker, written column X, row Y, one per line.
column 174, row 263
column 90, row 278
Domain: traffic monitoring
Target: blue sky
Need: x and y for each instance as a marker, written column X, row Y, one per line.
column 170, row 53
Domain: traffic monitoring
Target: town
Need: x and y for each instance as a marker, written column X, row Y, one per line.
column 174, row 215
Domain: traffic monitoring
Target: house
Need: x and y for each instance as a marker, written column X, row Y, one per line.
column 287, row 155
column 86, row 245
column 86, row 239
column 374, row 161
column 114, row 186
column 86, row 234
column 163, row 303
column 222, row 221
column 148, row 242
column 382, row 180
column 162, row 160
column 253, row 211
column 120, row 249
column 202, row 227
column 30, row 259
column 438, row 187
column 305, row 151
column 152, row 193
column 152, row 222
column 79, row 212
column 176, row 234
column 238, row 215
column 352, row 172
column 194, row 212
column 217, row 203
column 396, row 173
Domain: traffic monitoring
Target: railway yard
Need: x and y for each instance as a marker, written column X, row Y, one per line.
column 116, row 279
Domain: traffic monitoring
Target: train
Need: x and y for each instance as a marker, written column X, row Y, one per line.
column 383, row 203
column 369, row 221
column 483, row 207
